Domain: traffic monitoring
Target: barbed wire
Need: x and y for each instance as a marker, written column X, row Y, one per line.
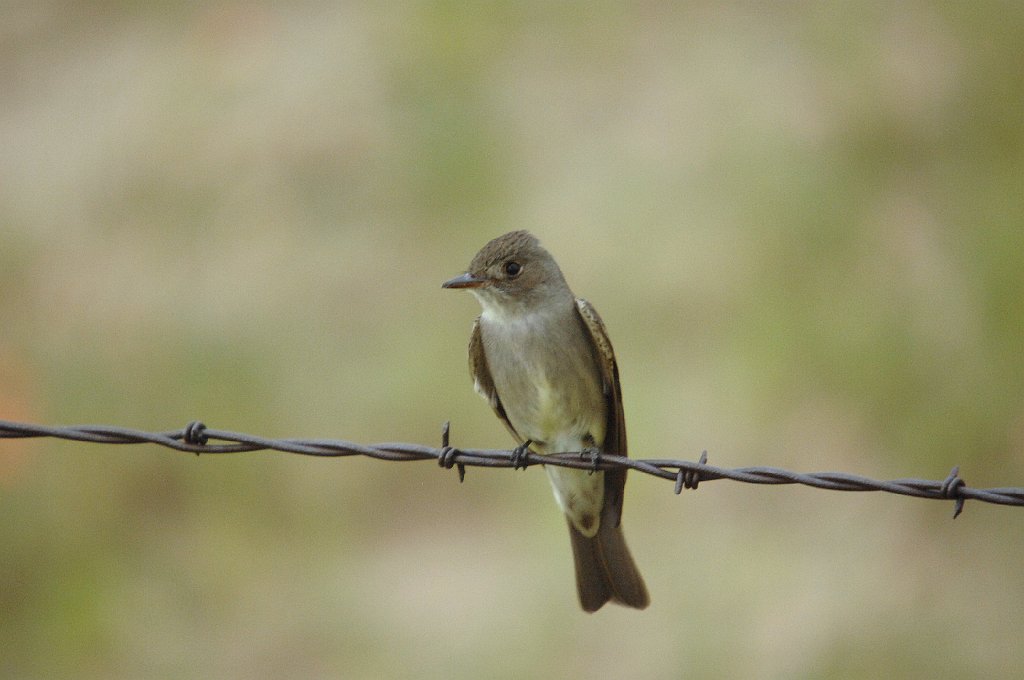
column 197, row 438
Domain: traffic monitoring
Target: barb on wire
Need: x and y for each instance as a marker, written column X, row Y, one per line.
column 197, row 438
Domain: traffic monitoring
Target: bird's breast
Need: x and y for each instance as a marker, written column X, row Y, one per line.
column 547, row 380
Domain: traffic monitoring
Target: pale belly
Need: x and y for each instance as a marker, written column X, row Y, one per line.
column 552, row 396
column 565, row 420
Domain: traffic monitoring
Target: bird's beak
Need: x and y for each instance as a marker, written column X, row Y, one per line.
column 466, row 280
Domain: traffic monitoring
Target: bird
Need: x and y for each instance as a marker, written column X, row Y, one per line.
column 542, row 359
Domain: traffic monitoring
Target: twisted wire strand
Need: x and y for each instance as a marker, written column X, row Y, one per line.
column 197, row 438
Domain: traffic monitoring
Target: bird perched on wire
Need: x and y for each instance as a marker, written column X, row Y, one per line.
column 542, row 358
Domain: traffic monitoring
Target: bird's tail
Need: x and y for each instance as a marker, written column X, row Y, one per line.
column 605, row 570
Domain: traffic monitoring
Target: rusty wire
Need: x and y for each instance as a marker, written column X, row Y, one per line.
column 197, row 438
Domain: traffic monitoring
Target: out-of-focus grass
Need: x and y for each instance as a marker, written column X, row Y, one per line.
column 802, row 225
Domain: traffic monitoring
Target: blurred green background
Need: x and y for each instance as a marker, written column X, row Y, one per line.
column 802, row 223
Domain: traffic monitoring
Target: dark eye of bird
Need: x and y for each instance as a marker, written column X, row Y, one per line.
column 513, row 269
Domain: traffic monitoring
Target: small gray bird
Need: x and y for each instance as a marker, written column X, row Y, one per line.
column 542, row 359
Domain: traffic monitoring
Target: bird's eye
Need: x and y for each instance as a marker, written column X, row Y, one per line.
column 513, row 269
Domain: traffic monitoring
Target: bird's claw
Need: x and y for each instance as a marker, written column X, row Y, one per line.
column 520, row 456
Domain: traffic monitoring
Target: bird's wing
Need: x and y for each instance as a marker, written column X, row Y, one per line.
column 615, row 428
column 483, row 383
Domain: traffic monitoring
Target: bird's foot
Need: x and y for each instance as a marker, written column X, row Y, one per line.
column 520, row 456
